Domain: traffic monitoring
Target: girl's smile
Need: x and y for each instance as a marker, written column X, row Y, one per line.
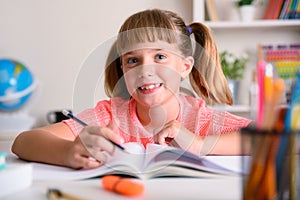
column 150, row 88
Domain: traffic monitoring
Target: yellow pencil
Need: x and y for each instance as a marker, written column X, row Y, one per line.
column 55, row 194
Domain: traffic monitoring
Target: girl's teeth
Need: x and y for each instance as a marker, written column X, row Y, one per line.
column 149, row 87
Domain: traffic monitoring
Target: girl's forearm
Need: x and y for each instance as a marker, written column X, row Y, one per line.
column 188, row 141
column 232, row 144
column 224, row 144
column 41, row 146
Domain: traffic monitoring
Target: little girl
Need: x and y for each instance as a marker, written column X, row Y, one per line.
column 153, row 53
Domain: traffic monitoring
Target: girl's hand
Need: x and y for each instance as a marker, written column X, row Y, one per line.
column 77, row 156
column 168, row 133
column 175, row 134
column 93, row 141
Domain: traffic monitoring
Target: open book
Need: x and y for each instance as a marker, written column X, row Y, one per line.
column 153, row 162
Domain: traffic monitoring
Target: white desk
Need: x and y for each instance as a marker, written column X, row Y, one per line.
column 164, row 188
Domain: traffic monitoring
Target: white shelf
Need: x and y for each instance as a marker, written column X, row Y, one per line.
column 239, row 36
column 265, row 24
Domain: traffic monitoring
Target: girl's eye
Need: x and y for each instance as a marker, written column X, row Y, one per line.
column 160, row 57
column 132, row 60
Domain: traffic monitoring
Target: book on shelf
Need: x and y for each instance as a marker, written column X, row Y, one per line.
column 211, row 10
column 294, row 10
column 282, row 9
column 273, row 9
column 277, row 9
column 270, row 9
column 151, row 162
column 290, row 10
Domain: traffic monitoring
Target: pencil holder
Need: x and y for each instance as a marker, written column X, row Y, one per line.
column 270, row 160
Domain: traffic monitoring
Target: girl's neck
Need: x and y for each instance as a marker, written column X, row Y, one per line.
column 155, row 117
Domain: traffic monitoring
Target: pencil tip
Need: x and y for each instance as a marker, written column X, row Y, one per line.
column 124, row 150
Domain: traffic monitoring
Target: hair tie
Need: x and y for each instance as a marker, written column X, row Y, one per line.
column 189, row 29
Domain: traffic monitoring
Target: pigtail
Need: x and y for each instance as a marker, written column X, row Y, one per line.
column 207, row 77
column 114, row 83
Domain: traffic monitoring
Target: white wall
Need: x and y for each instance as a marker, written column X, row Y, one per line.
column 53, row 38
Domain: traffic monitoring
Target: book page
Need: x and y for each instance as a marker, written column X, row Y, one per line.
column 238, row 164
column 133, row 160
column 128, row 164
column 151, row 151
column 163, row 160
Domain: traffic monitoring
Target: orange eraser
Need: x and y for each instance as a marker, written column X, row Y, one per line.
column 125, row 186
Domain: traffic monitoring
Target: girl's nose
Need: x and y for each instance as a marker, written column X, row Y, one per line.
column 146, row 69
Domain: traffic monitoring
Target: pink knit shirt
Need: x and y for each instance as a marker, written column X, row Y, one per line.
column 194, row 115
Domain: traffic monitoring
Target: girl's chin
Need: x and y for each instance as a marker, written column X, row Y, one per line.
column 148, row 101
column 155, row 100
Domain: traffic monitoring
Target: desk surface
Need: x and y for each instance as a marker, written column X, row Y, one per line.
column 163, row 188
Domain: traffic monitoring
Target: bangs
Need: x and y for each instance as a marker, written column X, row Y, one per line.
column 147, row 26
column 135, row 36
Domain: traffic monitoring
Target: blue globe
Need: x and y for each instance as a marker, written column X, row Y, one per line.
column 16, row 84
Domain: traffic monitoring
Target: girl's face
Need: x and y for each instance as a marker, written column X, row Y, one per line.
column 153, row 72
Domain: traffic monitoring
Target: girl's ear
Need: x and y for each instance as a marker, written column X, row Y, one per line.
column 187, row 67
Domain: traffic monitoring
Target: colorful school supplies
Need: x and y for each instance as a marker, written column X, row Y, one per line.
column 273, row 171
column 260, row 80
column 285, row 59
column 293, row 121
column 292, row 124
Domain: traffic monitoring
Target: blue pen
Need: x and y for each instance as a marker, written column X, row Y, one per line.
column 70, row 115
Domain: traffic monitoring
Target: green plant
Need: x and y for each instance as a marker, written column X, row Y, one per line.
column 244, row 2
column 249, row 2
column 233, row 67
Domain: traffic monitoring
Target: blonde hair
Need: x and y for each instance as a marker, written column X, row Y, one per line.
column 206, row 77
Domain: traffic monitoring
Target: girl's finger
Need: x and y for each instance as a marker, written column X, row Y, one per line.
column 99, row 143
column 92, row 130
column 83, row 161
column 104, row 131
column 161, row 137
column 100, row 156
column 109, row 134
column 92, row 164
